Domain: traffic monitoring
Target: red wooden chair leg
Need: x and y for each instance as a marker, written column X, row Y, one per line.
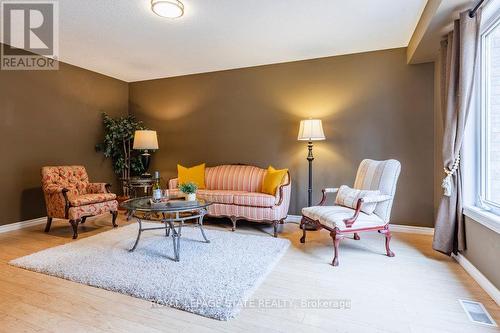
column 336, row 237
column 388, row 236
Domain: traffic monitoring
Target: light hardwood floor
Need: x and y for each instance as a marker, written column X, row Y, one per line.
column 416, row 291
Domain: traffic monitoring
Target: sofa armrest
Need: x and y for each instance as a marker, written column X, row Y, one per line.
column 280, row 190
column 173, row 183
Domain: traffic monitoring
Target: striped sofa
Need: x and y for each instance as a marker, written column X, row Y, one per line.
column 235, row 193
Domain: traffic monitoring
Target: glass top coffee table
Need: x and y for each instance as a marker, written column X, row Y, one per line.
column 172, row 213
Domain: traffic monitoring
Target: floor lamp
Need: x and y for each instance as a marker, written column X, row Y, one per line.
column 310, row 130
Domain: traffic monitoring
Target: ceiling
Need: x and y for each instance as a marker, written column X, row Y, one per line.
column 436, row 21
column 126, row 40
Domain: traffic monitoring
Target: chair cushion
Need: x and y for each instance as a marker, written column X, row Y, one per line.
column 349, row 197
column 93, row 209
column 333, row 216
column 254, row 199
column 87, row 199
column 218, row 196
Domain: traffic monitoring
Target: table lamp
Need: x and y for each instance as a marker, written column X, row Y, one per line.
column 310, row 130
column 145, row 140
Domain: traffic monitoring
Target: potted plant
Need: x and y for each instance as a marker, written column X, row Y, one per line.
column 117, row 145
column 189, row 189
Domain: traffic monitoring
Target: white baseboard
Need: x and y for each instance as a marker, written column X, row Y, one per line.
column 394, row 227
column 293, row 218
column 22, row 224
column 478, row 277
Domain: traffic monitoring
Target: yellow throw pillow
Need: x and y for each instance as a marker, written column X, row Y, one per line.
column 194, row 174
column 272, row 179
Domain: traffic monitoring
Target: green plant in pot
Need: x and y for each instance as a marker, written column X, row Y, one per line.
column 189, row 189
column 117, row 145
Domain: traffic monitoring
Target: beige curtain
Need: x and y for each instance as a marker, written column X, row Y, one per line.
column 460, row 63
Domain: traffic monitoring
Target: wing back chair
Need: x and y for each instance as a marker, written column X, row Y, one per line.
column 380, row 176
column 69, row 195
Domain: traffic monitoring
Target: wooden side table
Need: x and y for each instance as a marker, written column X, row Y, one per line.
column 140, row 187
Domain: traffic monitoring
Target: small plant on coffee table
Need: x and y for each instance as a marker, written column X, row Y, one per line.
column 188, row 188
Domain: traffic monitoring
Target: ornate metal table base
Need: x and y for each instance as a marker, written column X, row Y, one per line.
column 170, row 220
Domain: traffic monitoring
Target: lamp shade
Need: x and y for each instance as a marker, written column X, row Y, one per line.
column 145, row 139
column 311, row 130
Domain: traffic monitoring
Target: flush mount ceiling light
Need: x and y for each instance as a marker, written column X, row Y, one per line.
column 167, row 8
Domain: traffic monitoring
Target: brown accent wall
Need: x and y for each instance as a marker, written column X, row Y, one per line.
column 373, row 105
column 51, row 118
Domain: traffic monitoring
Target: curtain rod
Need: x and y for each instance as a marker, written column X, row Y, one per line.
column 473, row 11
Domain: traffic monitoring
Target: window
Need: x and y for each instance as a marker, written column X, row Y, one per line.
column 480, row 163
column 490, row 117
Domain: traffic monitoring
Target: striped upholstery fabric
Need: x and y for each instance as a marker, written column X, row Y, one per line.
column 254, row 199
column 226, row 197
column 230, row 177
column 382, row 176
column 277, row 212
column 349, row 197
column 223, row 197
column 235, row 191
column 334, row 217
column 174, row 183
column 247, row 212
column 235, row 178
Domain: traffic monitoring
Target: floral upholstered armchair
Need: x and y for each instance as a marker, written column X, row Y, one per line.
column 69, row 195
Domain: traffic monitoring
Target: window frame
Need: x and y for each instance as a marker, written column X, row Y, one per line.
column 484, row 115
column 472, row 162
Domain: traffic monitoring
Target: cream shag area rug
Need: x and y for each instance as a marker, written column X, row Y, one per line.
column 211, row 280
